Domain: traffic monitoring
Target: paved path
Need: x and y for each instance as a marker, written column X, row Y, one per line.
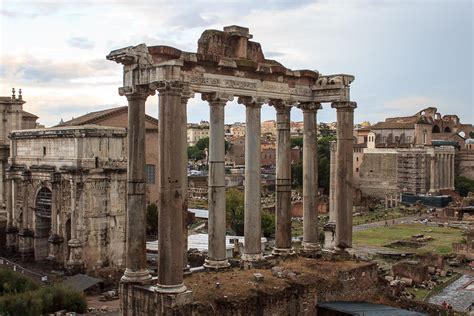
column 400, row 220
column 457, row 294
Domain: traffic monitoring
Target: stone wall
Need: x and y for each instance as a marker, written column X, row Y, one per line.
column 378, row 173
column 412, row 270
column 465, row 161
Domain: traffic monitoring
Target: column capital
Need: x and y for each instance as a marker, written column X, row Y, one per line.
column 309, row 106
column 136, row 92
column 281, row 106
column 252, row 101
column 217, row 98
column 333, row 145
column 175, row 87
column 344, row 105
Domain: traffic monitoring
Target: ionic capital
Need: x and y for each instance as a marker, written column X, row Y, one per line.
column 344, row 105
column 309, row 106
column 252, row 101
column 217, row 98
column 332, row 145
column 136, row 92
column 281, row 106
column 173, row 87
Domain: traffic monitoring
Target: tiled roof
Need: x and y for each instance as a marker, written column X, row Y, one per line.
column 393, row 125
column 93, row 117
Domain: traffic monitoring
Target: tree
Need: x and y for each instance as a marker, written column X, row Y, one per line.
column 203, row 143
column 324, row 153
column 296, row 141
column 195, row 153
column 463, row 185
column 152, row 220
column 235, row 214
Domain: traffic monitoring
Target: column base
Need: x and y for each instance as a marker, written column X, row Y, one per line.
column 311, row 249
column 251, row 257
column 140, row 276
column 216, row 264
column 187, row 269
column 282, row 252
column 170, row 289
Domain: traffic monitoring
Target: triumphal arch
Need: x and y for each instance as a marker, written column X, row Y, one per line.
column 227, row 65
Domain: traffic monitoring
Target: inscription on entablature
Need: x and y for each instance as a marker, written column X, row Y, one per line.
column 225, row 83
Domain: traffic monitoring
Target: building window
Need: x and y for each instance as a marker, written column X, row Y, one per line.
column 357, row 158
column 150, row 174
column 357, row 169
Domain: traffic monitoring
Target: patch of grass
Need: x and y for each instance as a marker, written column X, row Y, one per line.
column 380, row 236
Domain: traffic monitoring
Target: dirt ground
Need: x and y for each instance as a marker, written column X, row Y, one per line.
column 236, row 283
column 94, row 302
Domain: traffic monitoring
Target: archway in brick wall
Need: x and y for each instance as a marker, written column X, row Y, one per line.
column 43, row 204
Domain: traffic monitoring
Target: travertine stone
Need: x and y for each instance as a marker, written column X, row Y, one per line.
column 172, row 125
column 311, row 244
column 136, row 266
column 252, row 206
column 283, row 179
column 217, row 255
column 432, row 174
column 344, row 171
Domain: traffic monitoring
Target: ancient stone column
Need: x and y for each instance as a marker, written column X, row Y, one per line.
column 432, row 174
column 12, row 225
column 186, row 267
column 311, row 244
column 452, row 172
column 25, row 234
column 75, row 261
column 252, row 206
column 330, row 227
column 136, row 270
column 217, row 255
column 283, row 179
column 344, row 170
column 171, row 186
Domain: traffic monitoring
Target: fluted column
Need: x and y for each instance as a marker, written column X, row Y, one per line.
column 135, row 242
column 171, row 186
column 436, row 171
column 432, row 174
column 217, row 254
column 252, row 206
column 443, row 171
column 344, row 170
column 452, row 172
column 283, row 179
column 311, row 244
column 12, row 229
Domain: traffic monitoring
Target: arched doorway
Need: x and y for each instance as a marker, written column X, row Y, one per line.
column 436, row 129
column 447, row 129
column 43, row 205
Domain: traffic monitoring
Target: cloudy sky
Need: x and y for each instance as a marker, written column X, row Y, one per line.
column 405, row 55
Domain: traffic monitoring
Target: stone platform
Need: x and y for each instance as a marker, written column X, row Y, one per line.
column 296, row 291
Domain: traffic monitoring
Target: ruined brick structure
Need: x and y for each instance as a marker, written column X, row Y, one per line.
column 66, row 189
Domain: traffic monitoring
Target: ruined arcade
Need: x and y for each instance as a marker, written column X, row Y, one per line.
column 226, row 66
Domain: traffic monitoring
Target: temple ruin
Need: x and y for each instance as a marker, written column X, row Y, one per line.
column 227, row 65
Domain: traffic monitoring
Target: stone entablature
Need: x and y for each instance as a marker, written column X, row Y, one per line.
column 241, row 71
column 68, row 206
column 76, row 146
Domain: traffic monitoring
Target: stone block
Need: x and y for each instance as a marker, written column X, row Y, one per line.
column 258, row 277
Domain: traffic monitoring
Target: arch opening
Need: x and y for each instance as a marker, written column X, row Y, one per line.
column 436, row 129
column 447, row 129
column 43, row 206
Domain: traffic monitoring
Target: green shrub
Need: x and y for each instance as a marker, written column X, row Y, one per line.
column 152, row 220
column 13, row 282
column 463, row 185
column 43, row 301
column 268, row 224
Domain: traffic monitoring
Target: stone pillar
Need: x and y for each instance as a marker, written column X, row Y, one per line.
column 171, row 186
column 217, row 255
column 283, row 179
column 452, row 172
column 330, row 227
column 311, row 244
column 135, row 240
column 186, row 267
column 344, row 170
column 26, row 234
column 75, row 263
column 432, row 174
column 12, row 229
column 252, row 206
